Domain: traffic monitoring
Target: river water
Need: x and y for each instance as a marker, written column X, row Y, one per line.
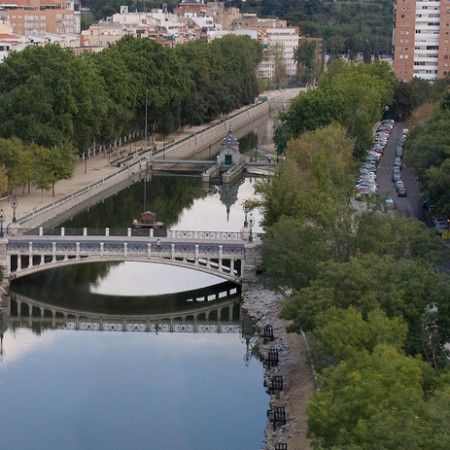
column 157, row 371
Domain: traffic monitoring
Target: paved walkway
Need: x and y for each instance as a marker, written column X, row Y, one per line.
column 91, row 171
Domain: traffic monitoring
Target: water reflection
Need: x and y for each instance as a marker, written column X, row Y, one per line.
column 220, row 302
column 129, row 385
column 179, row 202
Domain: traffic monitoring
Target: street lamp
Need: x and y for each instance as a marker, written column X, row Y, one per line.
column 146, row 114
column 246, row 210
column 2, row 219
column 14, row 205
column 251, row 222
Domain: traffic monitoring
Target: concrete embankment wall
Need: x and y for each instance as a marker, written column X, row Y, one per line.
column 200, row 141
column 76, row 202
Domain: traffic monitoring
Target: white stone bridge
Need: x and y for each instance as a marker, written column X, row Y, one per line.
column 228, row 255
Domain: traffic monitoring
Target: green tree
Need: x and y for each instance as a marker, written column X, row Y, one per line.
column 279, row 64
column 291, row 253
column 49, row 96
column 366, row 394
column 342, row 332
column 428, row 152
column 315, row 179
column 407, row 291
column 42, row 176
column 309, row 64
column 3, row 179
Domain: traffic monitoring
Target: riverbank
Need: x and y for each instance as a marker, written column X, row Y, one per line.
column 98, row 168
column 265, row 307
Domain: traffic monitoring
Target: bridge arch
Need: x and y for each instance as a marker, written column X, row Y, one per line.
column 227, row 272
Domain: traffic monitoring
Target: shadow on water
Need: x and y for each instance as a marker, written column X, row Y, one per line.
column 85, row 302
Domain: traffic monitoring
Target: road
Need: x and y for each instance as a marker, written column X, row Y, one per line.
column 410, row 206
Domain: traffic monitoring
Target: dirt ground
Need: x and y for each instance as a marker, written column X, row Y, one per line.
column 298, row 379
column 298, row 386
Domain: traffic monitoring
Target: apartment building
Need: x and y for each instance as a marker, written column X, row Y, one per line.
column 421, row 39
column 284, row 40
column 53, row 16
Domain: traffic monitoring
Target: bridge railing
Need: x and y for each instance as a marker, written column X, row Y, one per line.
column 130, row 232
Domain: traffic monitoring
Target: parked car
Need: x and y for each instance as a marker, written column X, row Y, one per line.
column 428, row 205
column 398, row 162
column 401, row 192
column 396, row 175
column 440, row 224
column 389, row 204
column 399, row 185
column 399, row 151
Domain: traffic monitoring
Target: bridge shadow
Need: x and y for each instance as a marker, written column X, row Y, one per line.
column 88, row 302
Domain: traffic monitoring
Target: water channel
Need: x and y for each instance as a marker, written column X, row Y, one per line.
column 102, row 356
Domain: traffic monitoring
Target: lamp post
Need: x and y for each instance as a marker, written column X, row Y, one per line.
column 251, row 222
column 246, row 210
column 14, row 205
column 146, row 115
column 2, row 219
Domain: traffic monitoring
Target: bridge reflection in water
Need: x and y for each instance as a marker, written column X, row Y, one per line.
column 215, row 309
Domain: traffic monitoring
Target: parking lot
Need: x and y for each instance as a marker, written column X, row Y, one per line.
column 411, row 205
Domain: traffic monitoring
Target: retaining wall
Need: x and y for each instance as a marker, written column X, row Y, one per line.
column 74, row 203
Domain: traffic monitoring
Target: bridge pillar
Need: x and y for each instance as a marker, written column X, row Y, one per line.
column 196, row 254
column 125, row 249
column 63, row 231
column 19, row 262
column 149, row 250
column 151, row 232
column 53, row 251
column 102, row 248
column 106, row 231
column 41, row 231
column 252, row 259
column 77, row 245
column 4, row 261
column 172, row 251
column 30, row 254
column 129, row 232
column 84, row 231
column 220, row 257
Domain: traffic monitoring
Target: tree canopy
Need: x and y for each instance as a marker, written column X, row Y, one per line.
column 428, row 152
column 50, row 96
column 353, row 95
column 362, row 283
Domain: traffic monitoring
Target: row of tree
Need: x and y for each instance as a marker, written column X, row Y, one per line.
column 51, row 98
column 365, row 288
column 26, row 164
column 353, row 95
column 49, row 95
column 428, row 152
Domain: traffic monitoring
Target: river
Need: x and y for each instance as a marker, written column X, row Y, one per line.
column 157, row 371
